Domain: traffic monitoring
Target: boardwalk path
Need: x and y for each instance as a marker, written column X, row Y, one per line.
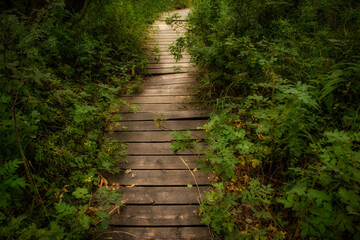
column 160, row 205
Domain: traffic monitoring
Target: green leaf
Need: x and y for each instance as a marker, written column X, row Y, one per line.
column 81, row 193
column 102, row 214
column 299, row 189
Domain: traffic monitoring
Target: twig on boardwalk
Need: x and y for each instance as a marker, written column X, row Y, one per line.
column 197, row 185
column 116, row 232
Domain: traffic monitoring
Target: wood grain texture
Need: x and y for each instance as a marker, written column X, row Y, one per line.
column 162, row 195
column 156, row 216
column 168, row 83
column 150, row 136
column 169, row 70
column 159, row 99
column 154, row 149
column 159, row 178
column 154, row 181
column 162, row 107
column 154, row 126
column 173, row 115
column 158, row 162
column 164, row 55
column 172, row 76
column 167, row 92
column 170, row 65
column 131, row 233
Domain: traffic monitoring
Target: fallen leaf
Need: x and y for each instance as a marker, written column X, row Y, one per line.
column 195, row 170
column 128, row 171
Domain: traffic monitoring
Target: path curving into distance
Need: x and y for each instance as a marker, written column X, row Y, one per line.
column 155, row 182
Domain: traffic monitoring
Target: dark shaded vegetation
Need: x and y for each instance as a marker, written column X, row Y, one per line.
column 284, row 77
column 61, row 65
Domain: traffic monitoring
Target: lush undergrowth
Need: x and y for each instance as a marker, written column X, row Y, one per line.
column 62, row 64
column 284, row 139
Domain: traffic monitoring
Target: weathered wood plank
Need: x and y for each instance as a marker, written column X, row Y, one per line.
column 163, row 82
column 169, row 70
column 159, row 178
column 174, row 115
column 158, row 162
column 168, row 61
column 172, row 76
column 157, row 216
column 153, row 126
column 170, row 65
column 129, row 233
column 154, row 149
column 160, row 107
column 168, row 56
column 173, row 86
column 162, row 195
column 160, row 42
column 159, row 99
column 167, row 92
column 160, row 37
column 152, row 136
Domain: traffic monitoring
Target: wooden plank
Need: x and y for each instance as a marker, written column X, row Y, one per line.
column 153, row 126
column 172, row 76
column 171, row 33
column 157, row 162
column 150, row 136
column 167, row 92
column 177, row 215
column 167, row 61
column 168, row 53
column 162, row 195
column 131, row 233
column 174, row 115
column 160, row 42
column 162, row 27
column 170, row 65
column 162, row 107
column 159, row 178
column 165, row 81
column 170, row 85
column 169, row 56
column 174, row 85
column 169, row 70
column 154, row 149
column 168, row 37
column 159, row 99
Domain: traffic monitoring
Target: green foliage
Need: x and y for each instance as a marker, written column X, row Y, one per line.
column 283, row 78
column 59, row 72
column 180, row 4
column 182, row 141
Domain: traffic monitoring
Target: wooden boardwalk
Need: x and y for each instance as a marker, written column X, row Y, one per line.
column 155, row 182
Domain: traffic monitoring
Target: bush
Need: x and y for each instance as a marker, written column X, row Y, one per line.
column 283, row 77
column 61, row 67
